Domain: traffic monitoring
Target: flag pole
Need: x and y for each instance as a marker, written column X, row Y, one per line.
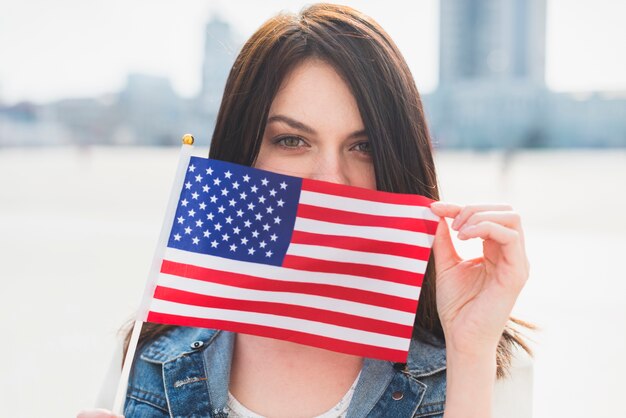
column 122, row 387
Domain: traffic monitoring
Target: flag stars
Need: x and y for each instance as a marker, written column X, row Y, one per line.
column 206, row 233
column 209, row 171
column 221, row 209
column 255, row 234
column 195, row 195
column 232, row 202
column 188, row 230
column 261, row 199
column 198, row 178
column 228, row 174
column 262, row 244
column 283, row 186
column 247, row 223
column 213, row 199
column 205, row 188
column 251, row 251
column 277, row 220
column 239, row 213
column 243, row 195
column 224, row 191
column 235, row 185
column 180, row 219
column 280, row 203
column 177, row 237
column 214, row 244
column 254, row 189
column 191, row 213
column 216, row 181
column 225, row 237
column 210, row 216
column 188, row 185
column 264, row 182
column 273, row 237
column 195, row 240
column 273, row 192
column 184, row 202
column 236, row 230
column 199, row 223
column 250, row 206
column 266, row 227
column 244, row 241
column 246, row 178
column 269, row 209
column 258, row 216
column 218, row 226
column 268, row 253
column 203, row 206
column 229, row 220
column 192, row 168
column 233, row 247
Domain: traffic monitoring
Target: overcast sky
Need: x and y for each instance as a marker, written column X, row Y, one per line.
column 74, row 48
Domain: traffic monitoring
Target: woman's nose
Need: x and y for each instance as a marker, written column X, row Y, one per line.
column 330, row 167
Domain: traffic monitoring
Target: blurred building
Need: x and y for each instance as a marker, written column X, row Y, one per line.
column 492, row 91
column 220, row 49
column 147, row 111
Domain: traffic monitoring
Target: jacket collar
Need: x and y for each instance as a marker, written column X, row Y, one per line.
column 427, row 354
column 426, row 357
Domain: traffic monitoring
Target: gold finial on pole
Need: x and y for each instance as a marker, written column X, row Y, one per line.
column 188, row 139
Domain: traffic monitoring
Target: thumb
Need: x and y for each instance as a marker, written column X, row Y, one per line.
column 443, row 249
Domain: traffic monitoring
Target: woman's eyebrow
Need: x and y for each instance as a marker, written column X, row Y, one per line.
column 305, row 128
column 292, row 122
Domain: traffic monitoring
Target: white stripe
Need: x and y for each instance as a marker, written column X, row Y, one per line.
column 313, row 301
column 294, row 324
column 369, row 232
column 366, row 206
column 286, row 274
column 359, row 257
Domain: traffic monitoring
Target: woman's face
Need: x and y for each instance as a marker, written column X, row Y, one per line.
column 314, row 129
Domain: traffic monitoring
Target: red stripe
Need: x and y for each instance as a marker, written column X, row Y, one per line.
column 361, row 244
column 357, row 349
column 258, row 283
column 362, row 219
column 285, row 309
column 374, row 272
column 364, row 194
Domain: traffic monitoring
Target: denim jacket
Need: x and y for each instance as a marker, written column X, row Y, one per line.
column 185, row 373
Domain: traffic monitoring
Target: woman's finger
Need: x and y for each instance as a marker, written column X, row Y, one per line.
column 493, row 231
column 97, row 413
column 469, row 210
column 509, row 219
column 446, row 210
column 443, row 249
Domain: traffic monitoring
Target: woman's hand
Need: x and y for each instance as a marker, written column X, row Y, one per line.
column 475, row 297
column 97, row 413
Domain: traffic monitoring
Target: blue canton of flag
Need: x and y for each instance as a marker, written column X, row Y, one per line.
column 236, row 212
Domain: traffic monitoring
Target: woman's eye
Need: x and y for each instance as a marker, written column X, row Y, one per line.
column 363, row 147
column 290, row 141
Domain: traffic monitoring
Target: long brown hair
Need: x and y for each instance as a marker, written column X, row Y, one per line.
column 367, row 59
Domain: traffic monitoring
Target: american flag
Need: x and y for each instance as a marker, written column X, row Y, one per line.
column 312, row 262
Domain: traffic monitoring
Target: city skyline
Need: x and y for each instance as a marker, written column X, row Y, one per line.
column 178, row 33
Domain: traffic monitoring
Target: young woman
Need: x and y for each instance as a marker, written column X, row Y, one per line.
column 326, row 94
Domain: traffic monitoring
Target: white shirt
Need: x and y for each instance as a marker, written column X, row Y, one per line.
column 237, row 410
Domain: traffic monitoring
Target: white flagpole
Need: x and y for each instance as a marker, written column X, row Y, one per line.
column 185, row 155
